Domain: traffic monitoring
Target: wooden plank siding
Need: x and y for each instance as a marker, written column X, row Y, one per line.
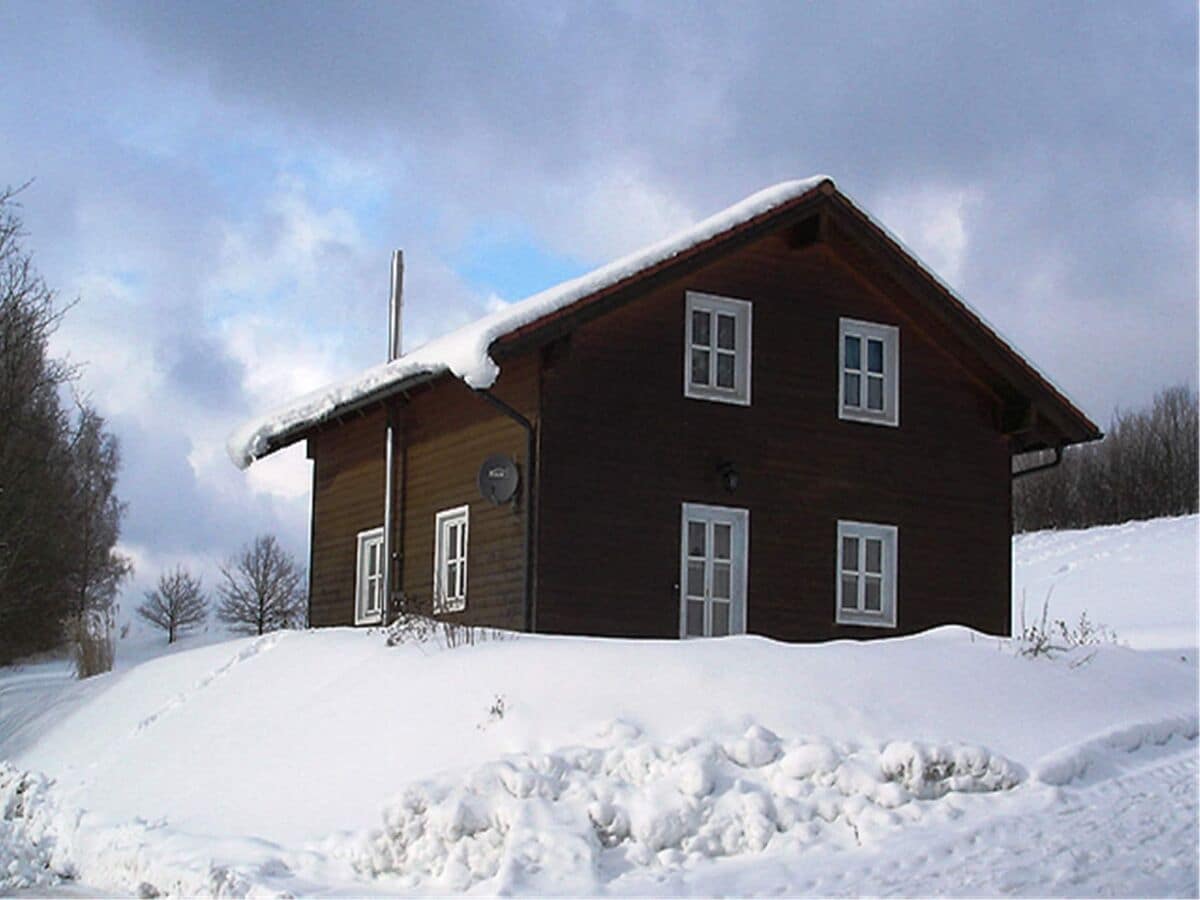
column 347, row 498
column 443, row 435
column 622, row 449
column 448, row 433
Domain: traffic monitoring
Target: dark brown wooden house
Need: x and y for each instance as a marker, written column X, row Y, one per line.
column 779, row 422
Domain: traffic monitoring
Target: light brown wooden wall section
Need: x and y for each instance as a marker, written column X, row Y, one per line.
column 444, row 434
column 347, row 499
column 622, row 448
column 448, row 431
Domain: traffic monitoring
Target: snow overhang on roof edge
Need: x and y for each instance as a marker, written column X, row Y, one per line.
column 464, row 352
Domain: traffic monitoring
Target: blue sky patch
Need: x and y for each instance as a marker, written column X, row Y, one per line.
column 508, row 262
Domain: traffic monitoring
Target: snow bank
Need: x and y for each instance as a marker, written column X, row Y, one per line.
column 1069, row 763
column 637, row 802
column 464, row 352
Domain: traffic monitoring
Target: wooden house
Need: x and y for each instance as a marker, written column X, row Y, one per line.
column 777, row 422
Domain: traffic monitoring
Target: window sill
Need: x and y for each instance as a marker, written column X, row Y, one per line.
column 713, row 396
column 869, row 418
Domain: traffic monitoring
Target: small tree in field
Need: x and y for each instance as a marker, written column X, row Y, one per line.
column 177, row 605
column 263, row 589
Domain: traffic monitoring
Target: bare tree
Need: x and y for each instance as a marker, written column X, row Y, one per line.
column 93, row 568
column 177, row 605
column 1146, row 466
column 34, row 451
column 59, row 515
column 263, row 589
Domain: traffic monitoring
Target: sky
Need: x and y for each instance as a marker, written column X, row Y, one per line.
column 221, row 186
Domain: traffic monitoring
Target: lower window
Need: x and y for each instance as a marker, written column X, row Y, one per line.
column 866, row 574
column 450, row 560
column 368, row 582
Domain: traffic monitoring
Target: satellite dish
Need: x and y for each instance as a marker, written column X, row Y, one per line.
column 498, row 478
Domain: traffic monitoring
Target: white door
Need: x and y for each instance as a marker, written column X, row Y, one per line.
column 712, row 581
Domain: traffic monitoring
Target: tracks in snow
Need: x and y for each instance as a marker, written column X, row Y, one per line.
column 258, row 645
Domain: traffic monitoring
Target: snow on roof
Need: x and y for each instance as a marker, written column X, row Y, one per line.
column 464, row 352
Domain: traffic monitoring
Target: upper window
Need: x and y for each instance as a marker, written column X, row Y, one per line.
column 869, row 364
column 866, row 574
column 716, row 359
column 368, row 583
column 450, row 561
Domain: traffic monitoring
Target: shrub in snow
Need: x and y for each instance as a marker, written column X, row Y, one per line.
column 1045, row 638
column 414, row 628
column 632, row 801
column 931, row 771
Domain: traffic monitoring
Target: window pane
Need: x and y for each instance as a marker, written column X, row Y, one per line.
column 701, row 325
column 874, row 555
column 450, row 588
column 695, row 618
column 696, row 538
column 849, row 592
column 873, row 599
column 851, row 392
column 853, row 353
column 451, row 541
column 721, row 538
column 874, row 393
column 699, row 366
column 726, row 332
column 875, row 356
column 695, row 579
column 725, row 370
column 720, row 587
column 850, row 554
column 372, row 558
column 372, row 596
column 720, row 616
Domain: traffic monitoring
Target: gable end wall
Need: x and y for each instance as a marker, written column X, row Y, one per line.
column 622, row 448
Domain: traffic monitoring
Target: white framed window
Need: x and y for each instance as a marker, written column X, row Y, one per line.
column 716, row 354
column 868, row 372
column 368, row 581
column 714, row 557
column 450, row 560
column 866, row 574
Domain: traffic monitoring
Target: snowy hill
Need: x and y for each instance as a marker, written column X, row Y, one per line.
column 944, row 763
column 1138, row 578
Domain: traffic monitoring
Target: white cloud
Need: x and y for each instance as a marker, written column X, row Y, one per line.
column 286, row 245
column 933, row 219
column 604, row 217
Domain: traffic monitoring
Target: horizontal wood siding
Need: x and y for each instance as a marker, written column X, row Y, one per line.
column 448, row 432
column 622, row 448
column 347, row 498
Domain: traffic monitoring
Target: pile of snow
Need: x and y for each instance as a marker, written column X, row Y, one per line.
column 27, row 844
column 464, row 352
column 632, row 802
column 1138, row 578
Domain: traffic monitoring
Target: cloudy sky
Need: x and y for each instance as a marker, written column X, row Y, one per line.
column 221, row 184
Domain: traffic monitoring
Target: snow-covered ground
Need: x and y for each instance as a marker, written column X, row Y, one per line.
column 328, row 762
column 1138, row 578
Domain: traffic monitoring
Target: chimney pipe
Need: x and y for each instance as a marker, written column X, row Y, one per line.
column 395, row 308
column 396, row 305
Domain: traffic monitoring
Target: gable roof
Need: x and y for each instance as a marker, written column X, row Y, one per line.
column 468, row 352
